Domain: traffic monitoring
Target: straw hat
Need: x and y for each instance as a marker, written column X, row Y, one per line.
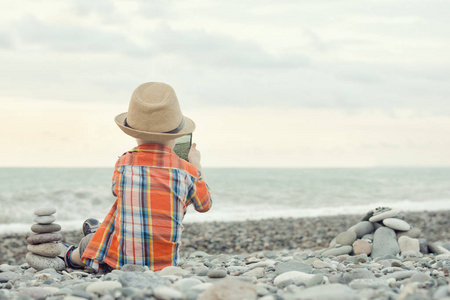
column 154, row 114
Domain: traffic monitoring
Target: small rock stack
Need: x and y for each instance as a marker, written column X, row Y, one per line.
column 43, row 244
column 382, row 232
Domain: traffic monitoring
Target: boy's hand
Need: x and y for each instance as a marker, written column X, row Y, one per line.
column 194, row 155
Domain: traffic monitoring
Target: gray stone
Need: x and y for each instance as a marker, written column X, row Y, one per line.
column 369, row 283
column 36, row 292
column 346, row 278
column 102, row 287
column 420, row 277
column 7, row 276
column 166, row 293
column 173, row 270
column 362, row 228
column 384, row 243
column 256, row 272
column 413, row 233
column 186, row 283
column 132, row 268
column 45, row 220
column 423, row 246
column 38, row 228
column 40, row 238
column 294, row 277
column 396, row 224
column 230, row 289
column 408, row 244
column 315, row 280
column 333, row 291
column 45, row 211
column 198, row 254
column 338, row 251
column 82, row 294
column 140, row 280
column 435, row 248
column 202, row 271
column 346, row 238
column 41, row 262
column 284, row 267
column 446, row 245
column 441, row 293
column 368, row 237
column 400, row 275
column 46, row 249
column 217, row 273
column 387, row 214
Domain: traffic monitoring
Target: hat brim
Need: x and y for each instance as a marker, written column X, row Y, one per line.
column 189, row 127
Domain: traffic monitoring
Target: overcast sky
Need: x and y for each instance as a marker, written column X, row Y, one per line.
column 269, row 83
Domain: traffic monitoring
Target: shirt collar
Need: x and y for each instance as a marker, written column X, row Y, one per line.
column 153, row 147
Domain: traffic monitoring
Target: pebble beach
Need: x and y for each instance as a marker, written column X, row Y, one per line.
column 292, row 258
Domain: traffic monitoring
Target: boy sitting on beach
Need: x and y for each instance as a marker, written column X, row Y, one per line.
column 153, row 187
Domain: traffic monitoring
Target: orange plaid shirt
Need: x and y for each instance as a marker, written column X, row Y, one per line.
column 153, row 188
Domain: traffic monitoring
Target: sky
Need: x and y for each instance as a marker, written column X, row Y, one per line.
column 350, row 83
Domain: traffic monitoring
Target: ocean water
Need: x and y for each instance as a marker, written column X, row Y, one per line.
column 238, row 194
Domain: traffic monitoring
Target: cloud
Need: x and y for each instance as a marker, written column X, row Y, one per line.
column 75, row 39
column 5, row 41
column 214, row 49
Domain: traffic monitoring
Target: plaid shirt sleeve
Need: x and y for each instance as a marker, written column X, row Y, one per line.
column 200, row 194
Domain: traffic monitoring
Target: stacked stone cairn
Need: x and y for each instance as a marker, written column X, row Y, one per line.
column 382, row 232
column 43, row 245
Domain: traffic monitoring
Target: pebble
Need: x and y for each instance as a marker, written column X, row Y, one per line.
column 423, row 246
column 334, row 291
column 346, row 238
column 338, row 251
column 45, row 220
column 38, row 228
column 396, row 224
column 294, row 277
column 254, row 275
column 44, row 238
column 388, row 214
column 435, row 248
column 172, row 270
column 315, row 280
column 384, row 243
column 45, row 211
column 218, row 273
column 369, row 283
column 7, row 276
column 186, row 283
column 230, row 289
column 140, row 280
column 45, row 249
column 102, row 287
column 41, row 262
column 256, row 272
column 413, row 233
column 362, row 247
column 293, row 266
column 420, row 277
column 362, row 228
column 162, row 292
column 408, row 244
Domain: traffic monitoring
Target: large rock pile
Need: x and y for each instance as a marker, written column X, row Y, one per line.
column 382, row 232
column 43, row 244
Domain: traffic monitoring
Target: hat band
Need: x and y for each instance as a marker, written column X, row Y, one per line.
column 176, row 130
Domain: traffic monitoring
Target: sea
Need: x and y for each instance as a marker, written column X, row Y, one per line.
column 238, row 194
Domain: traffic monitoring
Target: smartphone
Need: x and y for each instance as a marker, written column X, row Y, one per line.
column 182, row 146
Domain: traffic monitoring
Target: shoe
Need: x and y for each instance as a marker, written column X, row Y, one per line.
column 65, row 252
column 90, row 226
